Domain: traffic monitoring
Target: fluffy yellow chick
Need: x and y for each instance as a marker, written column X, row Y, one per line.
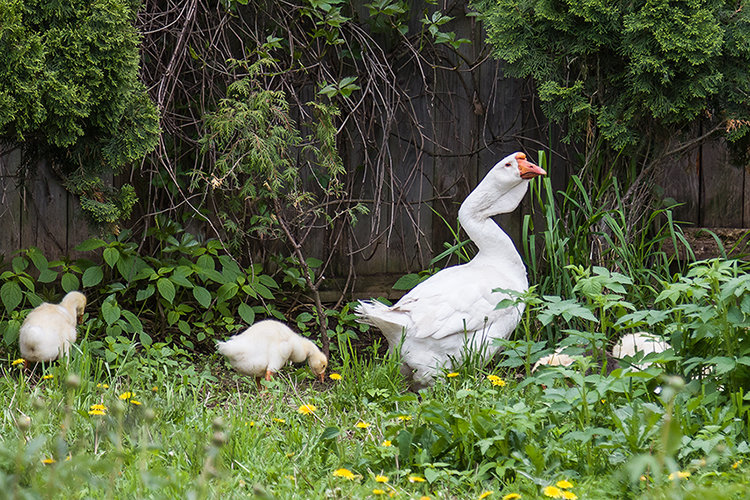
column 49, row 329
column 265, row 347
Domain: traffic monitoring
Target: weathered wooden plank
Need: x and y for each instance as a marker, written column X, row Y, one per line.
column 10, row 206
column 44, row 213
column 680, row 180
column 722, row 202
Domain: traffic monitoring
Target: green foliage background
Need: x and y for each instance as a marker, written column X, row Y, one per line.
column 69, row 90
column 630, row 71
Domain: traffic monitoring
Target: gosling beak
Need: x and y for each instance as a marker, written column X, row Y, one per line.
column 527, row 169
column 323, row 377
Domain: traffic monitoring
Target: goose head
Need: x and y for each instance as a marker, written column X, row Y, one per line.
column 318, row 363
column 75, row 303
column 502, row 188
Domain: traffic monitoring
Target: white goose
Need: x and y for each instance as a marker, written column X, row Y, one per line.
column 264, row 348
column 455, row 309
column 48, row 330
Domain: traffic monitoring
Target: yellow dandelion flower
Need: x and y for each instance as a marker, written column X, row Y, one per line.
column 452, row 374
column 334, row 376
column 569, row 495
column 279, row 420
column 155, row 388
column 306, row 409
column 511, row 496
column 386, row 443
column 47, row 461
column 18, row 361
column 102, row 386
column 361, row 425
column 564, row 484
column 643, row 477
column 416, row 479
column 736, row 464
column 552, row 491
column 126, row 395
column 250, row 423
column 98, row 406
column 137, row 403
column 97, row 412
column 345, row 473
column 485, row 494
column 381, row 479
column 679, row 475
column 48, row 377
column 425, row 498
column 492, row 378
column 378, row 492
column 404, row 418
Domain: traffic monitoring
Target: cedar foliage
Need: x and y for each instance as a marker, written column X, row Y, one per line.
column 629, row 72
column 69, row 91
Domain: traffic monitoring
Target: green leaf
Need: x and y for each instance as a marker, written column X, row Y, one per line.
column 145, row 338
column 330, row 433
column 246, row 313
column 69, row 282
column 431, row 474
column 227, row 291
column 92, row 276
column 90, row 244
column 110, row 311
column 144, row 293
column 111, row 256
column 408, row 281
column 202, row 295
column 38, row 259
column 47, row 276
column 10, row 336
column 134, row 321
column 166, row 289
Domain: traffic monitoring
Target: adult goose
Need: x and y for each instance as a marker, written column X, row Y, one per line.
column 453, row 311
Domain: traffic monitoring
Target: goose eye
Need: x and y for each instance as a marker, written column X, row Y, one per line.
column 508, row 164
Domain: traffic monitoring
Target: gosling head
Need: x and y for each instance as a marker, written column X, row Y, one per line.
column 75, row 302
column 318, row 363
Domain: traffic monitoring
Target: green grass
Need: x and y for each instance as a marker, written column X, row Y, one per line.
column 204, row 432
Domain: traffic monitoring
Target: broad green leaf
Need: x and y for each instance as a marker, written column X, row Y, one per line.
column 38, row 259
column 145, row 338
column 110, row 312
column 111, row 256
column 202, row 295
column 90, row 244
column 10, row 336
column 92, row 276
column 166, row 289
column 330, row 433
column 246, row 313
column 47, row 276
column 227, row 291
column 409, row 281
column 144, row 293
column 69, row 282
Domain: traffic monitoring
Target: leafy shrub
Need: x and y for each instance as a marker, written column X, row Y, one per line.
column 70, row 92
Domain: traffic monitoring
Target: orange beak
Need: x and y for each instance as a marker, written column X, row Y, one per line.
column 323, row 377
column 527, row 169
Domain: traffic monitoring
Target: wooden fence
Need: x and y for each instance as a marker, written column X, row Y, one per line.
column 469, row 118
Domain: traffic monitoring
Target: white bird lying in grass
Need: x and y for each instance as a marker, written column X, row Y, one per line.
column 268, row 345
column 49, row 329
column 453, row 312
column 644, row 342
column 557, row 358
